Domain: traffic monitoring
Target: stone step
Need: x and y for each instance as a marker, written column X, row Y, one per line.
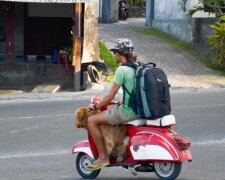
column 47, row 88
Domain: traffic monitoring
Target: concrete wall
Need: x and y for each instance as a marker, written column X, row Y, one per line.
column 19, row 75
column 167, row 15
column 106, row 12
column 168, row 9
column 170, row 18
column 181, row 29
column 109, row 11
column 115, row 11
column 201, row 30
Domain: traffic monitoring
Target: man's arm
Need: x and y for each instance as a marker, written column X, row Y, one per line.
column 109, row 97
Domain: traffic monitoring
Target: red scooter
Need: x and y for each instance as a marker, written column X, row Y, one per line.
column 153, row 147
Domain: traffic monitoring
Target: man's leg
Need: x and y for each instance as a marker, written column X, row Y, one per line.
column 93, row 124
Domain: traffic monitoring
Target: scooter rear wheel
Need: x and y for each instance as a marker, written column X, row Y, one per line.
column 82, row 161
column 167, row 170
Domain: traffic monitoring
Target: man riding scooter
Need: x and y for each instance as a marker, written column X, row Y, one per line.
column 123, row 10
column 124, row 76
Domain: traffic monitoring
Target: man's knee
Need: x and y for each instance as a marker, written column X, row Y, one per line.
column 91, row 121
column 96, row 120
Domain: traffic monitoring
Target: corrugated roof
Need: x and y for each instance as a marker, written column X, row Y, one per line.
column 52, row 1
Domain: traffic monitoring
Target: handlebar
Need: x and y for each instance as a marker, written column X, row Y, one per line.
column 96, row 99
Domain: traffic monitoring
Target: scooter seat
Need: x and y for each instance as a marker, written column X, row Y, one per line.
column 138, row 122
column 165, row 121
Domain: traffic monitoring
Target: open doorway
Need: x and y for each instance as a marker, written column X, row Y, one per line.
column 47, row 27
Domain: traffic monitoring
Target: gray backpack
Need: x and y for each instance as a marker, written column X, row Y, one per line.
column 150, row 98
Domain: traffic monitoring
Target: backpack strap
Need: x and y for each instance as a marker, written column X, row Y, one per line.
column 134, row 66
column 130, row 64
column 125, row 90
column 162, row 95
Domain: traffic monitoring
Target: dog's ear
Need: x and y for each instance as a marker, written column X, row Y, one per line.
column 81, row 117
column 81, row 112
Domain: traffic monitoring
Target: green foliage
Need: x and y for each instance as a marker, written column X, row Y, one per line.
column 210, row 6
column 217, row 42
column 135, row 2
column 208, row 62
column 107, row 56
column 110, row 77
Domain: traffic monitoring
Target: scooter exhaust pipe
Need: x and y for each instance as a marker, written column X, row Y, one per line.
column 130, row 170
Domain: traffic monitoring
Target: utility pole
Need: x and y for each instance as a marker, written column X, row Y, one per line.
column 77, row 45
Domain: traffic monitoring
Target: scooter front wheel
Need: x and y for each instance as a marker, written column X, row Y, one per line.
column 167, row 170
column 82, row 161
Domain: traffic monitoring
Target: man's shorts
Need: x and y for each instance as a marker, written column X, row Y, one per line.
column 116, row 116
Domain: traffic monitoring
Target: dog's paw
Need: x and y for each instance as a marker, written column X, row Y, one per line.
column 119, row 159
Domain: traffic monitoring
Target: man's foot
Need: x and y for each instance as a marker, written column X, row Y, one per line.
column 98, row 164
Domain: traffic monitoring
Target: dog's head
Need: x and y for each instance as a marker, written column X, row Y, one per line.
column 82, row 115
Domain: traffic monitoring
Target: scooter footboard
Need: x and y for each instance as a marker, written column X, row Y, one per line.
column 152, row 146
column 83, row 146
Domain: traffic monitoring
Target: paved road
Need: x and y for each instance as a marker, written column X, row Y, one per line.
column 36, row 138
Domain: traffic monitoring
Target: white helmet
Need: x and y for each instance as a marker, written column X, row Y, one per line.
column 123, row 44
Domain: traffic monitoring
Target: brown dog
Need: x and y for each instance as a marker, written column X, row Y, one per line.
column 115, row 137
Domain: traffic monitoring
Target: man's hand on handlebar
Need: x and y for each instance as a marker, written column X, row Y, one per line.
column 92, row 106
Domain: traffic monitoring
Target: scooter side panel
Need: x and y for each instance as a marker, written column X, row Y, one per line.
column 83, row 146
column 151, row 146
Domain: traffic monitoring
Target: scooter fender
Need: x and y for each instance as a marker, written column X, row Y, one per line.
column 83, row 146
column 153, row 146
